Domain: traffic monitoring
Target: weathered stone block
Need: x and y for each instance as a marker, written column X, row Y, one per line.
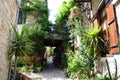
column 8, row 11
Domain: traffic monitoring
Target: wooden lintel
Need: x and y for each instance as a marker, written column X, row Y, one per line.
column 82, row 1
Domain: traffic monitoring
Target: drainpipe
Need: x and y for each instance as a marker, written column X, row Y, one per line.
column 9, row 71
column 17, row 15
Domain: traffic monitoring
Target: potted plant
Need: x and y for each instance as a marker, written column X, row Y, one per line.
column 37, row 67
column 27, row 69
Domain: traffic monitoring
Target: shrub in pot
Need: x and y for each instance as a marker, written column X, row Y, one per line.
column 37, row 67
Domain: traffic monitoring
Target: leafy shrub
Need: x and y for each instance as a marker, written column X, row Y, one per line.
column 94, row 42
column 64, row 10
column 37, row 67
column 38, row 8
column 23, row 61
column 26, row 69
column 37, row 36
column 78, row 66
column 101, row 77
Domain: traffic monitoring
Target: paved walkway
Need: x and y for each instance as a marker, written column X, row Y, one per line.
column 52, row 73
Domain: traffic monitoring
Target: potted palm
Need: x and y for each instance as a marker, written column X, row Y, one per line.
column 20, row 45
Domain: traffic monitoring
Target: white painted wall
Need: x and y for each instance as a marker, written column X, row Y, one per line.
column 111, row 62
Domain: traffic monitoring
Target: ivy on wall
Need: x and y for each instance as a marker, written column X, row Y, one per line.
column 38, row 8
column 64, row 10
column 40, row 31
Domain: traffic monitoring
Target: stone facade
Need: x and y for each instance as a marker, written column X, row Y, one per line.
column 104, row 15
column 8, row 11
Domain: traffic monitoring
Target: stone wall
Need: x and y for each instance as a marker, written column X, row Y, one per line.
column 8, row 11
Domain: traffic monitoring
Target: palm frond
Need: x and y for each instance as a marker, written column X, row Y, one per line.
column 20, row 45
column 93, row 40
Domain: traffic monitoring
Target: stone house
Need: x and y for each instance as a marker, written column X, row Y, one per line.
column 106, row 13
column 8, row 17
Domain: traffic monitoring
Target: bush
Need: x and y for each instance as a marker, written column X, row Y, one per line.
column 78, row 66
column 23, row 61
column 37, row 67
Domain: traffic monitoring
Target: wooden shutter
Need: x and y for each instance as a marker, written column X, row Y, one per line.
column 111, row 23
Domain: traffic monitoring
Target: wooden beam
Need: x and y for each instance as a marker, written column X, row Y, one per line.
column 82, row 1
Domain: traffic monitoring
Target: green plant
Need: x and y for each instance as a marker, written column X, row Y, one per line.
column 109, row 75
column 77, row 29
column 52, row 51
column 24, row 60
column 63, row 31
column 38, row 8
column 78, row 66
column 93, row 43
column 115, row 75
column 101, row 77
column 64, row 11
column 20, row 45
column 93, row 40
column 37, row 67
column 26, row 69
column 37, row 36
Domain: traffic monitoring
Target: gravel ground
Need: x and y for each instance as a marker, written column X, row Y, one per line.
column 52, row 73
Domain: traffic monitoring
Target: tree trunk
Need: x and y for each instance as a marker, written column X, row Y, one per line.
column 15, row 67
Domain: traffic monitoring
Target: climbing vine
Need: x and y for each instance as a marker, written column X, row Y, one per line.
column 38, row 32
column 64, row 11
column 38, row 8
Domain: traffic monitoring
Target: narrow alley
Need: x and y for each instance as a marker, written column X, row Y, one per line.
column 50, row 72
column 59, row 39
